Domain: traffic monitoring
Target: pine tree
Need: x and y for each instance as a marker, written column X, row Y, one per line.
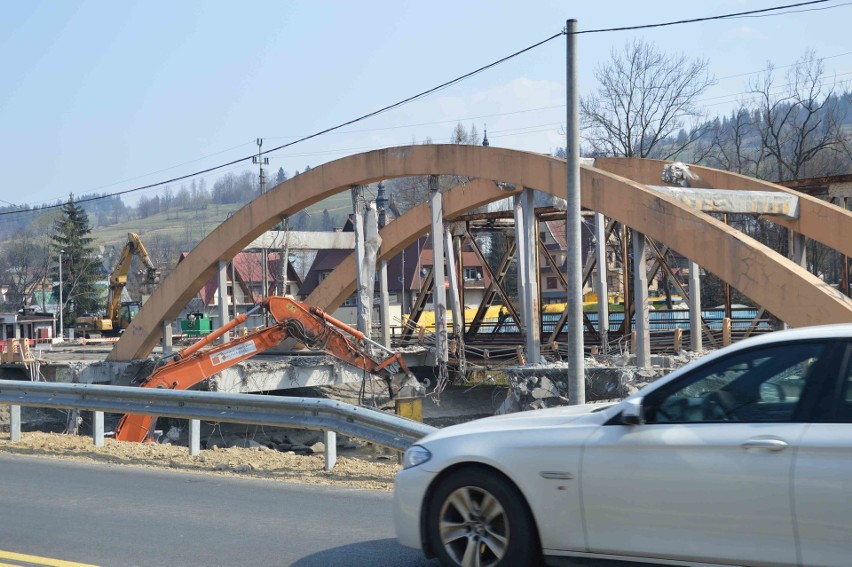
column 281, row 177
column 80, row 266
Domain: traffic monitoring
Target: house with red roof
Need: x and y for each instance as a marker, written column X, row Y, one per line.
column 245, row 284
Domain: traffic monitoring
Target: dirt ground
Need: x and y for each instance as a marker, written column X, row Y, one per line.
column 367, row 467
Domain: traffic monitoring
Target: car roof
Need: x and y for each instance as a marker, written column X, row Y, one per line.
column 841, row 330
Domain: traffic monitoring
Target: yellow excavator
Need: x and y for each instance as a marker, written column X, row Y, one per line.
column 119, row 313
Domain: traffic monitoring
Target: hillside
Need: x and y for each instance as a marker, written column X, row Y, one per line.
column 189, row 226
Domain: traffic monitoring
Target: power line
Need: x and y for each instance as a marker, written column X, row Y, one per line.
column 782, row 66
column 735, row 15
column 387, row 108
column 442, row 86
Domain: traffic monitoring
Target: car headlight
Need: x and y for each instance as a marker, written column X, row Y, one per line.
column 415, row 455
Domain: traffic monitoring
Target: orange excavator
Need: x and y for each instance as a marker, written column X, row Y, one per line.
column 305, row 323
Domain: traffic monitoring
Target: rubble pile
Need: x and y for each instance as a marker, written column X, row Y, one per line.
column 545, row 385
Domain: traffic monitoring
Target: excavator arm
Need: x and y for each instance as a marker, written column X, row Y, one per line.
column 308, row 324
column 118, row 276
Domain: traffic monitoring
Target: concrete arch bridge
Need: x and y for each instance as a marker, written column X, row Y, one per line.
column 619, row 188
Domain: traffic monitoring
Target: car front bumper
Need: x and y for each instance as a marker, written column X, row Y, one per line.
column 408, row 498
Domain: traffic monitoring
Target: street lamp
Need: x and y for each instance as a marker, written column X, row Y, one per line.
column 61, row 322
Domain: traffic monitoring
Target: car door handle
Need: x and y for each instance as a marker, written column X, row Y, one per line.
column 768, row 444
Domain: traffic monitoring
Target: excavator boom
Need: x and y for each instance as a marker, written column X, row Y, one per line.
column 308, row 324
column 117, row 315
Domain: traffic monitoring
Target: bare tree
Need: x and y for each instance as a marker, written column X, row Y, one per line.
column 735, row 146
column 801, row 122
column 25, row 261
column 644, row 100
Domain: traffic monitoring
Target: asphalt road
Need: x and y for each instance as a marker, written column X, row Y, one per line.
column 104, row 515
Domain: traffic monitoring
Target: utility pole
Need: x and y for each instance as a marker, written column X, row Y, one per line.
column 61, row 306
column 260, row 161
column 574, row 260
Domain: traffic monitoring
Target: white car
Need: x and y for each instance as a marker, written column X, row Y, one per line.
column 741, row 458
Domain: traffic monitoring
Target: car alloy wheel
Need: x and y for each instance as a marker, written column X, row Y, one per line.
column 473, row 526
column 477, row 518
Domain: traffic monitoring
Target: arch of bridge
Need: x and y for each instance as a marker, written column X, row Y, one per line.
column 771, row 280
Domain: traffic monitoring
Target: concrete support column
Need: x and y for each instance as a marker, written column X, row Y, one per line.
column 330, row 442
column 234, row 288
column 695, row 338
column 527, row 247
column 640, row 300
column 384, row 300
column 452, row 273
column 600, row 282
column 194, row 437
column 439, row 296
column 98, row 428
column 797, row 255
column 357, row 195
column 844, row 279
column 284, row 263
column 15, row 423
column 458, row 239
column 798, row 249
column 222, row 299
column 168, row 346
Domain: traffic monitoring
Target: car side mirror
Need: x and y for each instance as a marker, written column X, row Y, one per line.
column 633, row 413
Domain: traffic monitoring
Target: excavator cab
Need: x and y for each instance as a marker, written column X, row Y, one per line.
column 129, row 310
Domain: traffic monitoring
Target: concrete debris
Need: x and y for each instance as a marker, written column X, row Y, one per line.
column 247, row 444
column 537, row 386
column 678, row 173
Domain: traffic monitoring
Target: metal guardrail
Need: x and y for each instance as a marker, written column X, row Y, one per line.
column 306, row 413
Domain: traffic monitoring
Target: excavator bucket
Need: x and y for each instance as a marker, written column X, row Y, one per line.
column 404, row 384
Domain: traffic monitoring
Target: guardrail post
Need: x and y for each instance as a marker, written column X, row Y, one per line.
column 15, row 423
column 194, row 437
column 98, row 428
column 330, row 440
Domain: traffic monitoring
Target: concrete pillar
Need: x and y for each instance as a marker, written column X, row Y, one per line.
column 527, row 247
column 15, row 423
column 357, row 193
column 695, row 338
column 520, row 261
column 640, row 299
column 284, row 263
column 798, row 249
column 222, row 299
column 194, row 437
column 234, row 288
column 458, row 239
column 384, row 303
column 168, row 347
column 330, row 442
column 439, row 295
column 600, row 282
column 452, row 273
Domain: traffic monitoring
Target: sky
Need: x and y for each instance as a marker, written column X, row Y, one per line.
column 103, row 96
